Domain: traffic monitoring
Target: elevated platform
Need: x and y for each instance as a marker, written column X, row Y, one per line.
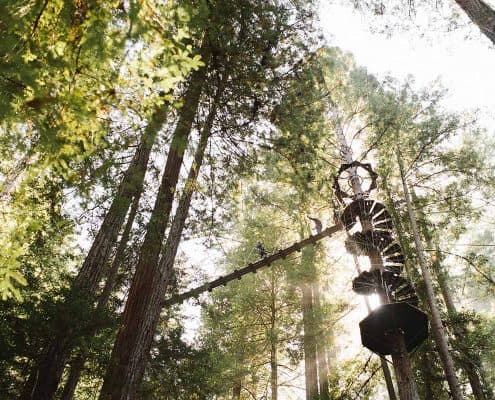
column 380, row 323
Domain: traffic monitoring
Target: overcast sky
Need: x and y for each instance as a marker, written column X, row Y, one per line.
column 466, row 67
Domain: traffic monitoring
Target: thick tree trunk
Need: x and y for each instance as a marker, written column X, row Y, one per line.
column 321, row 352
column 400, row 357
column 436, row 322
column 77, row 364
column 481, row 14
column 402, row 366
column 141, row 313
column 172, row 244
column 388, row 378
column 69, row 325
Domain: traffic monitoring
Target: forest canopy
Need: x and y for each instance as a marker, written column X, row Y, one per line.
column 208, row 200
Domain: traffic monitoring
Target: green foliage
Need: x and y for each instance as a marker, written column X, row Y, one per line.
column 68, row 71
column 79, row 80
column 181, row 371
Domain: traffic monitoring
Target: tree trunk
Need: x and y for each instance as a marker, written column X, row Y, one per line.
column 321, row 352
column 77, row 365
column 383, row 360
column 69, row 324
column 468, row 359
column 170, row 250
column 309, row 344
column 427, row 374
column 400, row 357
column 141, row 313
column 402, row 366
column 388, row 378
column 273, row 340
column 481, row 14
column 236, row 390
column 436, row 322
column 76, row 368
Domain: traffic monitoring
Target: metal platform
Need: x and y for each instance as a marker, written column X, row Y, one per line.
column 380, row 323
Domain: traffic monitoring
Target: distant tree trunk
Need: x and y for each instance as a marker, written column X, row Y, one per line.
column 141, row 313
column 236, row 389
column 468, row 359
column 481, row 14
column 46, row 375
column 427, row 374
column 309, row 338
column 321, row 352
column 436, row 322
column 11, row 178
column 75, row 371
column 273, row 340
column 309, row 344
column 77, row 365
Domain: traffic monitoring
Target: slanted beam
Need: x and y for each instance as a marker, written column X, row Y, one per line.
column 264, row 262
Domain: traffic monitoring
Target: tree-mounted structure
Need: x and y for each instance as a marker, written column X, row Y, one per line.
column 370, row 234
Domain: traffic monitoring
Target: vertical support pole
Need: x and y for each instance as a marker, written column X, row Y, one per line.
column 402, row 366
column 400, row 356
column 383, row 360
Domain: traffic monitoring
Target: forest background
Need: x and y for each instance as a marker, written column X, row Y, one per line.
column 238, row 103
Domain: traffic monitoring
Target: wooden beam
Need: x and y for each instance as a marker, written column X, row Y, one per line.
column 264, row 262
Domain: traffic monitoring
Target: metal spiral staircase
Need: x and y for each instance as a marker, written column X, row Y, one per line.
column 370, row 233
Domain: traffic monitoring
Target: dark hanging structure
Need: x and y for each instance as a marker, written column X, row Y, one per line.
column 370, row 234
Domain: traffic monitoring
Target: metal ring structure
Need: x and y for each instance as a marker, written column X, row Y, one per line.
column 341, row 194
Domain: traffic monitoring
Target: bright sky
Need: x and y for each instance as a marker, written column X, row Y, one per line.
column 465, row 67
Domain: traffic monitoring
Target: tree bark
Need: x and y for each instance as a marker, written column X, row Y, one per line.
column 383, row 360
column 321, row 352
column 140, row 317
column 77, row 364
column 402, row 366
column 309, row 338
column 427, row 374
column 69, row 324
column 481, row 14
column 273, row 340
column 389, row 383
column 400, row 356
column 76, row 368
column 436, row 322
